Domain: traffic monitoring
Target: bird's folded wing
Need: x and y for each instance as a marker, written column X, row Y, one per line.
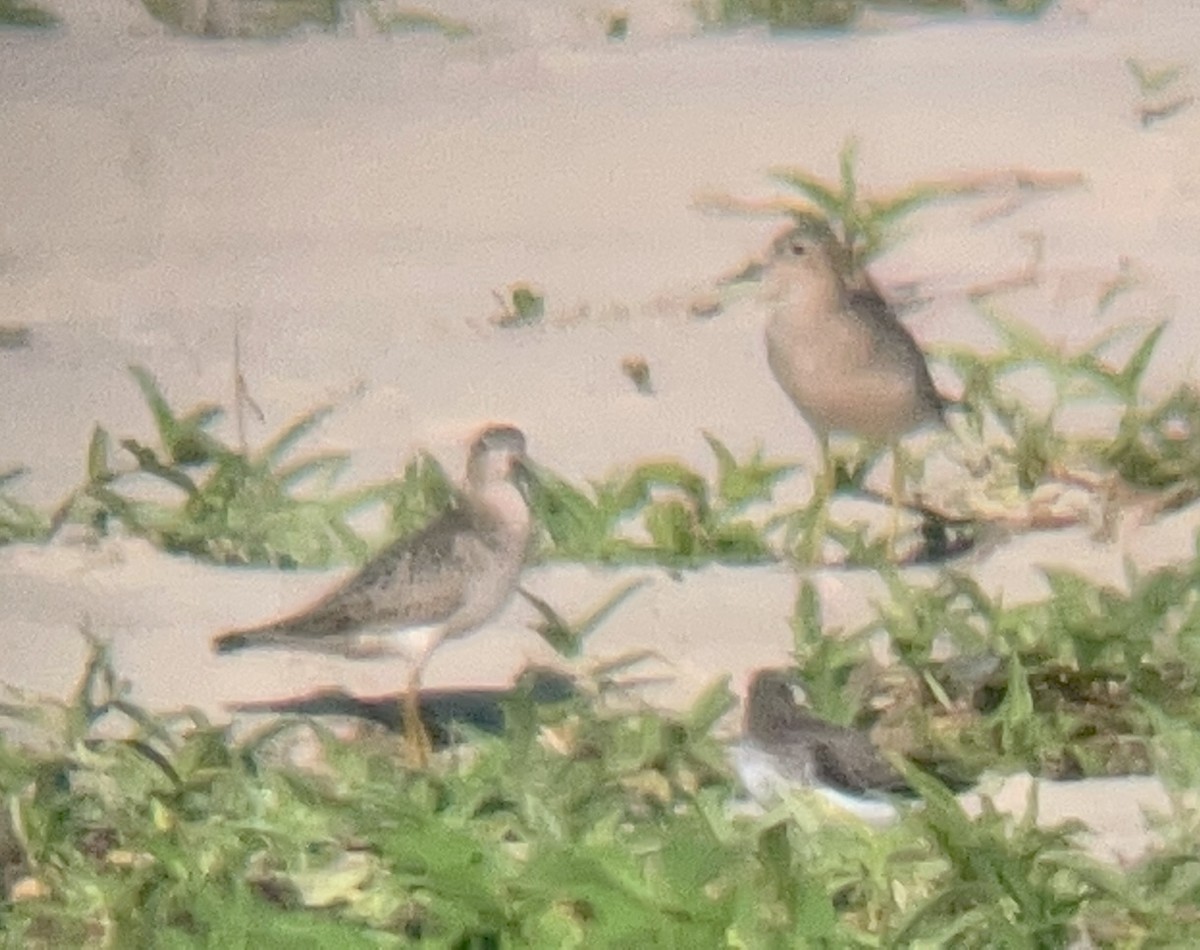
column 850, row 761
column 889, row 335
column 421, row 579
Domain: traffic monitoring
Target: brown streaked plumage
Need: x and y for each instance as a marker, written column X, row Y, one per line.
column 453, row 576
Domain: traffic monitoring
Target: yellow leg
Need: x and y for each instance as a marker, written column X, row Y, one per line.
column 899, row 476
column 417, row 746
column 822, row 496
column 899, row 464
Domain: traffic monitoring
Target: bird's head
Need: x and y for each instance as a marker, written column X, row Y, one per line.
column 807, row 246
column 497, row 455
column 771, row 703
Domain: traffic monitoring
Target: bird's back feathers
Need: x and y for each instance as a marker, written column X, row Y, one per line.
column 419, row 579
column 810, row 749
column 891, row 337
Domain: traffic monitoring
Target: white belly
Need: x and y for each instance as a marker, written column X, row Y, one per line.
column 409, row 643
column 838, row 386
column 762, row 778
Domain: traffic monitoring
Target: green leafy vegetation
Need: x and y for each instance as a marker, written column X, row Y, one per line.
column 190, row 492
column 616, row 25
column 1158, row 90
column 862, row 223
column 1151, row 79
column 684, row 520
column 587, row 823
column 1089, row 681
column 14, row 336
column 275, row 18
column 520, row 306
column 236, row 506
column 867, row 222
column 837, row 14
column 785, row 14
column 415, row 20
column 19, row 521
column 267, row 506
column 1151, row 448
column 584, row 824
column 263, row 19
column 567, row 637
column 15, row 13
column 1010, row 883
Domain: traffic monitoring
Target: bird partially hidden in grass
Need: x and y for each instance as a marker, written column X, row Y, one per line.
column 445, row 581
column 840, row 353
column 785, row 746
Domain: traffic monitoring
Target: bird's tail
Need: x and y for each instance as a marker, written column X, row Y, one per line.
column 237, row 640
column 277, row 636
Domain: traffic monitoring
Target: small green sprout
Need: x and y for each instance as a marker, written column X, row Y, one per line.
column 520, row 306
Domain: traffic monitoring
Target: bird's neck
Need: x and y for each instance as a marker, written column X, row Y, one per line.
column 502, row 509
column 815, row 292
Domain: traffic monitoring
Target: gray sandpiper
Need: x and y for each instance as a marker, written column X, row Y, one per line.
column 445, row 581
column 785, row 746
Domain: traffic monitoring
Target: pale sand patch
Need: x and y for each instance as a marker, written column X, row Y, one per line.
column 1114, row 810
column 354, row 204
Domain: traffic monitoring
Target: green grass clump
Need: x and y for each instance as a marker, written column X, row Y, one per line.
column 19, row 521
column 265, row 507
column 581, row 826
column 686, row 520
column 521, row 305
column 864, row 224
column 413, row 20
column 15, row 336
column 786, row 14
column 1152, row 447
column 15, row 13
column 1093, row 680
column 236, row 506
column 259, row 19
column 837, row 14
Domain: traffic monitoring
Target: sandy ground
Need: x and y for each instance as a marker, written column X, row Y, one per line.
column 353, row 202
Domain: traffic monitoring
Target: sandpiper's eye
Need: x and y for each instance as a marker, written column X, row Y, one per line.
column 797, row 248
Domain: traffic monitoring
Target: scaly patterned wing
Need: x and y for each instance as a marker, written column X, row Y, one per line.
column 420, row 579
